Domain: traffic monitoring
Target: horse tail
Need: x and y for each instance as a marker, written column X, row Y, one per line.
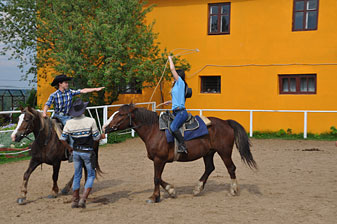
column 98, row 169
column 242, row 144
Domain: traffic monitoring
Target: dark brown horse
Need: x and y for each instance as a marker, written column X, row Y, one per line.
column 46, row 148
column 221, row 138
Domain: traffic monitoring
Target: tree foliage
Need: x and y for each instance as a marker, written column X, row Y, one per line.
column 100, row 43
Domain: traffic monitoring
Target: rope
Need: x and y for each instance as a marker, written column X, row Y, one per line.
column 14, row 153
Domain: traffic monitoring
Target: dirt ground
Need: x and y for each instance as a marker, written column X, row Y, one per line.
column 296, row 183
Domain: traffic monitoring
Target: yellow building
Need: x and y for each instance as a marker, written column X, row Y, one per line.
column 254, row 54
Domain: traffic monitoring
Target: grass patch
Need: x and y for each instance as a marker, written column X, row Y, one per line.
column 282, row 134
column 117, row 137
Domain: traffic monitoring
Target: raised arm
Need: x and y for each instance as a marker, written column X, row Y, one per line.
column 89, row 90
column 173, row 68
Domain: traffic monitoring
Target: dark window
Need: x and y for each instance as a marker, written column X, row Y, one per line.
column 298, row 84
column 132, row 87
column 219, row 18
column 305, row 15
column 210, row 84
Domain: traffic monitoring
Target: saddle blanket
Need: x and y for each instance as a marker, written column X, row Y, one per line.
column 190, row 134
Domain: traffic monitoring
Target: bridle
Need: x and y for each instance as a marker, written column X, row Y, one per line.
column 29, row 129
column 130, row 126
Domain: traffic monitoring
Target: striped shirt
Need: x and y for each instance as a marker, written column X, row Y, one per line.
column 62, row 100
column 82, row 129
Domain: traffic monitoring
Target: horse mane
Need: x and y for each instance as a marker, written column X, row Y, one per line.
column 34, row 113
column 141, row 114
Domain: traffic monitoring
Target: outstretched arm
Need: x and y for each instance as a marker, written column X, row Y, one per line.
column 173, row 69
column 89, row 90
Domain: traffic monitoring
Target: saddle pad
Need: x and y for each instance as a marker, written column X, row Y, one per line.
column 189, row 135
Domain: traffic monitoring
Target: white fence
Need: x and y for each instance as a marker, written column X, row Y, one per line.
column 93, row 111
column 305, row 113
column 153, row 108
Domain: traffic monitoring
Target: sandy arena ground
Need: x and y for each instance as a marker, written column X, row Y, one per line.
column 293, row 185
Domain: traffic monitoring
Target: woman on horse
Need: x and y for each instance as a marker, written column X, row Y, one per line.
column 178, row 105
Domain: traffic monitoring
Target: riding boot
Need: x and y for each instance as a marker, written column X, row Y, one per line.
column 182, row 147
column 76, row 198
column 84, row 197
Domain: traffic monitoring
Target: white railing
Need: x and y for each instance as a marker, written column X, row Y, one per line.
column 153, row 108
column 305, row 113
column 96, row 113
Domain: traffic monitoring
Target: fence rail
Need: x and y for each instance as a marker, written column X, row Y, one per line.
column 153, row 105
column 305, row 113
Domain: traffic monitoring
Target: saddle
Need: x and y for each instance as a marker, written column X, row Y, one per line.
column 166, row 118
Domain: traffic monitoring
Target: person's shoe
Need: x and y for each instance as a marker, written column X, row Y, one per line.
column 82, row 202
column 76, row 198
column 181, row 147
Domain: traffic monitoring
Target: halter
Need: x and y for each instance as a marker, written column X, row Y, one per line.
column 25, row 134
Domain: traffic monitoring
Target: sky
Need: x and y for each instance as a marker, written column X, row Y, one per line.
column 10, row 74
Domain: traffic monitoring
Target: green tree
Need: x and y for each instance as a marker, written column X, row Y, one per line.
column 99, row 43
column 18, row 33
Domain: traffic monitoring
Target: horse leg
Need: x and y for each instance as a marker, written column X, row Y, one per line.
column 55, row 189
column 158, row 169
column 169, row 188
column 209, row 167
column 66, row 188
column 226, row 158
column 32, row 166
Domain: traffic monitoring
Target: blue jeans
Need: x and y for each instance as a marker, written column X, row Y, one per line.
column 64, row 119
column 180, row 118
column 79, row 159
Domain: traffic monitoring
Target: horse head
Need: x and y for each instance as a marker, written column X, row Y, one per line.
column 26, row 124
column 121, row 119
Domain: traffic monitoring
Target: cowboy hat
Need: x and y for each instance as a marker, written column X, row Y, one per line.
column 77, row 108
column 60, row 78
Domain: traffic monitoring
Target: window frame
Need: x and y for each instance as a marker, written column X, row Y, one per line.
column 298, row 83
column 206, row 76
column 219, row 18
column 305, row 11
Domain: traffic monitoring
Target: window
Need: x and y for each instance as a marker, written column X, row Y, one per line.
column 210, row 84
column 132, row 87
column 298, row 84
column 305, row 15
column 218, row 18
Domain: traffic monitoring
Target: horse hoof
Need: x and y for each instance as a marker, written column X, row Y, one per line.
column 198, row 189
column 21, row 201
column 51, row 196
column 171, row 191
column 151, row 201
column 64, row 191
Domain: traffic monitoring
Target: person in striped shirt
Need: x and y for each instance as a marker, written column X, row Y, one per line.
column 62, row 98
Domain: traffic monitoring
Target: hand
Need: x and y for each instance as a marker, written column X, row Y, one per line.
column 44, row 114
column 103, row 136
column 99, row 89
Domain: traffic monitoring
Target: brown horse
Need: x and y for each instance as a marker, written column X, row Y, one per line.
column 46, row 148
column 221, row 138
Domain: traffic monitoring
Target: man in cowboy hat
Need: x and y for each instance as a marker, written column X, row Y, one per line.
column 62, row 97
column 84, row 132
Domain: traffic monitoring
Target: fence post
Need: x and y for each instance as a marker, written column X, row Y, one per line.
column 154, row 106
column 305, row 124
column 200, row 112
column 251, row 123
column 105, row 119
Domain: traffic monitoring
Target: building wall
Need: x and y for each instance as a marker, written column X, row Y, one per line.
column 260, row 33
